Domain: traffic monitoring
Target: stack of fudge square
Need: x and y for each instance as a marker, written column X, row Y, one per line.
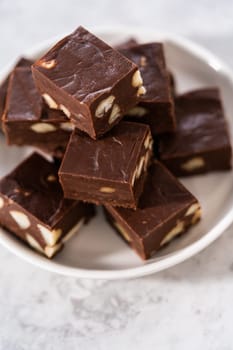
column 116, row 134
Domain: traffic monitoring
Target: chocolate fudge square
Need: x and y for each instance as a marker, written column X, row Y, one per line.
column 23, row 98
column 22, row 62
column 166, row 209
column 92, row 83
column 201, row 143
column 28, row 121
column 109, row 170
column 157, row 104
column 32, row 206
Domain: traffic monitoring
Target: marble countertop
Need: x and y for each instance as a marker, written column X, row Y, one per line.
column 185, row 307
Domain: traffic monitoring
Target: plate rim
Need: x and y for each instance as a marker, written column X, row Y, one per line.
column 171, row 259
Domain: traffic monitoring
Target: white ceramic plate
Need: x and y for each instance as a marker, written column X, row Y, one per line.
column 97, row 252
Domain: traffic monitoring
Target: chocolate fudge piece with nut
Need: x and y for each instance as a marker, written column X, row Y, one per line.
column 166, row 209
column 32, row 206
column 201, row 143
column 28, row 121
column 92, row 83
column 22, row 62
column 157, row 104
column 109, row 170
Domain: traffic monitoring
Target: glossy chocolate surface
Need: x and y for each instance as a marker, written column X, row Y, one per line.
column 202, row 135
column 103, row 171
column 28, row 121
column 79, row 72
column 162, row 205
column 23, row 99
column 33, row 191
column 151, row 62
column 22, row 62
column 85, row 66
column 51, row 133
column 29, row 186
column 157, row 106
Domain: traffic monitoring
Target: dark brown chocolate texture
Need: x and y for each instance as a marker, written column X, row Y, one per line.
column 201, row 143
column 28, row 121
column 165, row 209
column 32, row 206
column 23, row 100
column 92, row 83
column 109, row 170
column 22, row 62
column 157, row 105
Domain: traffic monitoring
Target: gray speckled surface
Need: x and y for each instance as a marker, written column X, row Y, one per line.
column 186, row 307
